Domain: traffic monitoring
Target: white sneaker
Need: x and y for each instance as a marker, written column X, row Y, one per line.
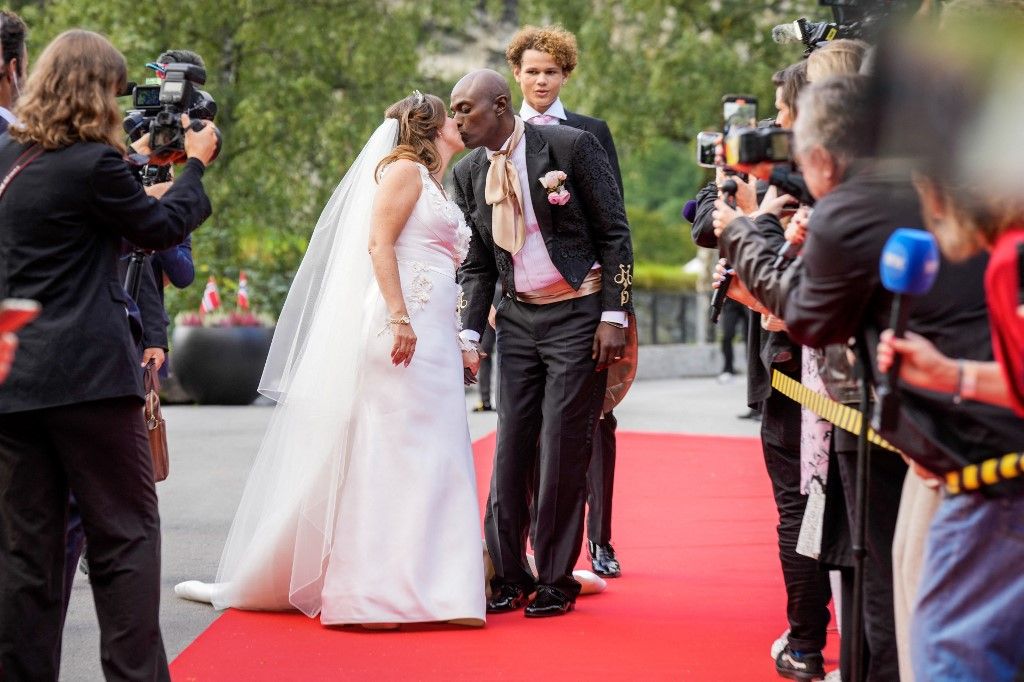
column 590, row 582
column 726, row 377
column 195, row 590
column 834, row 676
column 780, row 644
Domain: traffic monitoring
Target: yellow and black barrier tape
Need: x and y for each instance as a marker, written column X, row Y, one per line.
column 968, row 479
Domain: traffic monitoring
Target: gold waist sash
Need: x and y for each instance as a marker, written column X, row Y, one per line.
column 562, row 291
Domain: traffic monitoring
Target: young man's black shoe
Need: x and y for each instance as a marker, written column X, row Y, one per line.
column 800, row 666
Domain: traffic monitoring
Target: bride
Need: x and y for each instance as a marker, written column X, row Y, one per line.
column 361, row 505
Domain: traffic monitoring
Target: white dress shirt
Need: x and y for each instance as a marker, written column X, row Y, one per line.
column 526, row 112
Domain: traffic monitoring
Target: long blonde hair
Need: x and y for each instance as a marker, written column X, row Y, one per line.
column 71, row 94
column 420, row 118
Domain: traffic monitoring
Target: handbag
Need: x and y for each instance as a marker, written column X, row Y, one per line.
column 156, row 427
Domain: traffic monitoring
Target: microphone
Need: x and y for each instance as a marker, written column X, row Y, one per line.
column 784, row 34
column 909, row 266
column 690, row 211
column 729, row 189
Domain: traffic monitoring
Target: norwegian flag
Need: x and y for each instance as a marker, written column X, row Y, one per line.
column 243, row 291
column 211, row 297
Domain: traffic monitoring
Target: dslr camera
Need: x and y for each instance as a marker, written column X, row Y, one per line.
column 157, row 109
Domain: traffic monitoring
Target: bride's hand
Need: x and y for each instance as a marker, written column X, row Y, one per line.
column 405, row 344
column 471, row 361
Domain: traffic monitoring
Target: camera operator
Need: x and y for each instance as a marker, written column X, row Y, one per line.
column 70, row 417
column 833, row 292
column 769, row 347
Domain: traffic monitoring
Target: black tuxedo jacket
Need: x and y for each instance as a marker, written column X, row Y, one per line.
column 600, row 130
column 61, row 224
column 591, row 227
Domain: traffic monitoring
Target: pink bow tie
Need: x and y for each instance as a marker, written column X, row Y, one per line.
column 543, row 120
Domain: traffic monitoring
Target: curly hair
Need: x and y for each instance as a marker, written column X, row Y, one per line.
column 420, row 119
column 554, row 40
column 71, row 95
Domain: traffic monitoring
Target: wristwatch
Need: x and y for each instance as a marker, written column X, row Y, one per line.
column 614, row 324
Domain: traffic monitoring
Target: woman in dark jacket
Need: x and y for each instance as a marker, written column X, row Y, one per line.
column 70, row 411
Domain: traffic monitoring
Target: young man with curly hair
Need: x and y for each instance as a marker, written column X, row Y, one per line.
column 542, row 59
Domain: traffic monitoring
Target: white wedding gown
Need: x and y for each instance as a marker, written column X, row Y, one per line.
column 396, row 481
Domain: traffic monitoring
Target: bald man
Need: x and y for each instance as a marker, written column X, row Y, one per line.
column 560, row 244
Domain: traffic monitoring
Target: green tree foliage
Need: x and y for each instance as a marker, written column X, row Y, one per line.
column 300, row 86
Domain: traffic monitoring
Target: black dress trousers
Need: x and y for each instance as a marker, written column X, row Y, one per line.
column 549, row 402
column 99, row 451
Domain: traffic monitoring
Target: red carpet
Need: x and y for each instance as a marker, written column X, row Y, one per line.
column 701, row 597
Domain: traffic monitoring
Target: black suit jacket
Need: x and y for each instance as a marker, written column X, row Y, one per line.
column 600, row 130
column 61, row 225
column 591, row 227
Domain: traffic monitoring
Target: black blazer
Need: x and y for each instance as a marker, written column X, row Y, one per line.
column 600, row 130
column 591, row 227
column 61, row 224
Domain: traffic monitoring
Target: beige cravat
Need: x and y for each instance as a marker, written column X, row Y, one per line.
column 502, row 193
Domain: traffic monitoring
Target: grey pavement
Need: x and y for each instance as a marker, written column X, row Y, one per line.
column 212, row 449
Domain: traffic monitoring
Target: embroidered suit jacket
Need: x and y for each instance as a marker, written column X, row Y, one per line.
column 590, row 228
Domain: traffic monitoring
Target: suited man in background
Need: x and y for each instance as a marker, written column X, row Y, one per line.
column 15, row 64
column 564, row 255
column 542, row 59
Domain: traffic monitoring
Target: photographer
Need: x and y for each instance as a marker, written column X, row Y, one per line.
column 70, row 417
column 828, row 299
column 769, row 347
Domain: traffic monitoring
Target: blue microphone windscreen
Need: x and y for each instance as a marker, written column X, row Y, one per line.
column 910, row 262
column 690, row 210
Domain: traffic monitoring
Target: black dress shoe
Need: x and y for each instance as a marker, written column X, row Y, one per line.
column 548, row 602
column 508, row 598
column 602, row 558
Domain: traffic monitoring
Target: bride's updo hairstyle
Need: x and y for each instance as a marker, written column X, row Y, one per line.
column 420, row 119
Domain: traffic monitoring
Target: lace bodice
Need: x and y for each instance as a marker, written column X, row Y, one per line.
column 436, row 234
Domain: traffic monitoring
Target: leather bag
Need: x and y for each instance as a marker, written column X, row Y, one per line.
column 156, row 427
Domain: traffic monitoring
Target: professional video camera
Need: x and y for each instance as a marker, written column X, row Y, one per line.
column 157, row 110
column 850, row 19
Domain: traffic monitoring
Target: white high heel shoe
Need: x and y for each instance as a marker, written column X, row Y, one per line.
column 195, row 590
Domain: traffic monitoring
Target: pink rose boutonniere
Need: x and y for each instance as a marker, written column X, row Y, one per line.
column 554, row 183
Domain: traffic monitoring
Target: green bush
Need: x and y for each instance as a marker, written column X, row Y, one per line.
column 661, row 277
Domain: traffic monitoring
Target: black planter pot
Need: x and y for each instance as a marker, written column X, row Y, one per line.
column 221, row 365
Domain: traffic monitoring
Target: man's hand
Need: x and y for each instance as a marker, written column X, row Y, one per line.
column 737, row 289
column 922, row 366
column 141, row 145
column 471, row 360
column 157, row 355
column 609, row 345
column 492, row 318
column 8, row 344
column 773, row 203
column 200, row 145
column 746, row 194
column 158, row 190
column 724, row 215
column 796, row 231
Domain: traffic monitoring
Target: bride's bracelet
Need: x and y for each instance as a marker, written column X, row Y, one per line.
column 404, row 319
column 468, row 346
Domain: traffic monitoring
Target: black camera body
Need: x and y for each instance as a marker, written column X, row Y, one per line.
column 862, row 19
column 157, row 110
column 749, row 146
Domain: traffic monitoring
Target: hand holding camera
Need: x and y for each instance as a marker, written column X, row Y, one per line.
column 202, row 140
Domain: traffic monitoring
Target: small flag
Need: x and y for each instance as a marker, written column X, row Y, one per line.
column 211, row 297
column 243, row 291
